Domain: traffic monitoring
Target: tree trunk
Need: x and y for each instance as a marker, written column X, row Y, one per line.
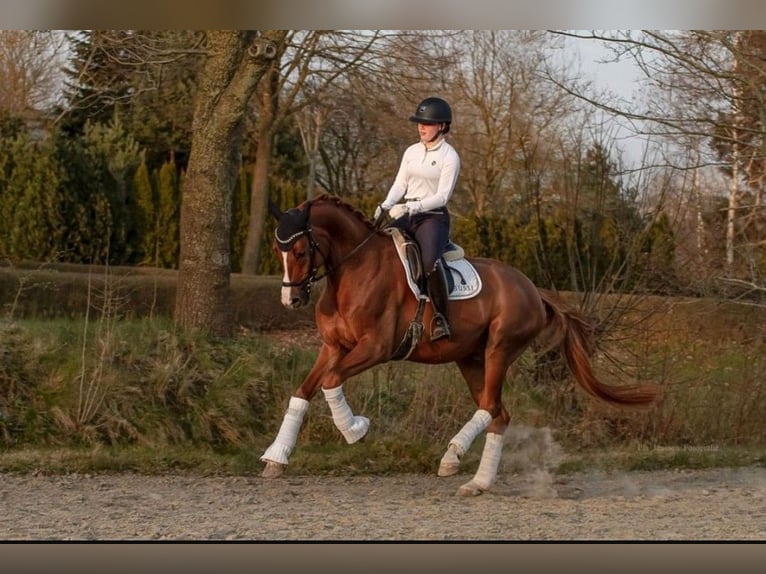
column 225, row 84
column 311, row 128
column 731, row 212
column 268, row 94
column 259, row 204
column 700, row 227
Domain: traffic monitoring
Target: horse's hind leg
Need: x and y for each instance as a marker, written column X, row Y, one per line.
column 487, row 471
column 461, row 442
column 475, row 373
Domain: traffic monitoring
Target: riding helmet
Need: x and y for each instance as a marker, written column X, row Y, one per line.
column 433, row 111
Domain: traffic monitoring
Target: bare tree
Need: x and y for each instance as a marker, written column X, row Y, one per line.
column 30, row 68
column 305, row 58
column 707, row 86
column 311, row 65
column 509, row 116
column 364, row 117
column 233, row 63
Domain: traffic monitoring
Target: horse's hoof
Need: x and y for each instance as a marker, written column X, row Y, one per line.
column 273, row 469
column 470, row 489
column 448, row 468
column 450, row 463
column 358, row 430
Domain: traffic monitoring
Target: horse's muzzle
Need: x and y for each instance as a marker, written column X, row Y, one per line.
column 295, row 303
column 293, row 298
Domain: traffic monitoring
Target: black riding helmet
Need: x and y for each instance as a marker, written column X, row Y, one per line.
column 433, row 111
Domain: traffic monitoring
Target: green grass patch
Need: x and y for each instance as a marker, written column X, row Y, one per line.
column 112, row 393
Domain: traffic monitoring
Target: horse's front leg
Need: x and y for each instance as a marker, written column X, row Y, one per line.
column 363, row 356
column 352, row 427
column 276, row 456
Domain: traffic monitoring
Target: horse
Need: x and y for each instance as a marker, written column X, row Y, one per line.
column 365, row 314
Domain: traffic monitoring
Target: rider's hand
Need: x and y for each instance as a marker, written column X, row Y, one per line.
column 378, row 212
column 399, row 210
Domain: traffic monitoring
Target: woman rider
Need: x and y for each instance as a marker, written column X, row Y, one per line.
column 424, row 184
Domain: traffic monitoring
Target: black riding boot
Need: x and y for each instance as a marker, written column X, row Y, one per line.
column 437, row 292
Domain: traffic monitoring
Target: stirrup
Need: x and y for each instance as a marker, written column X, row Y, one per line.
column 439, row 327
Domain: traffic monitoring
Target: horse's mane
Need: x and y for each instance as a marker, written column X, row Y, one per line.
column 336, row 200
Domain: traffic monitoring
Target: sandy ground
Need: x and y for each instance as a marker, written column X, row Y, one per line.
column 717, row 504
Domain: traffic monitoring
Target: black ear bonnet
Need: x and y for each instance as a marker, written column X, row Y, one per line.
column 293, row 224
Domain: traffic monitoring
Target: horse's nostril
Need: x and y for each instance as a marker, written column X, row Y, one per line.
column 295, row 302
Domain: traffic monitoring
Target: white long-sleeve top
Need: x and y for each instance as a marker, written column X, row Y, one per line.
column 426, row 177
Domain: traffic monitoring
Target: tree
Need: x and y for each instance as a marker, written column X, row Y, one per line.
column 707, row 86
column 30, row 62
column 29, row 178
column 240, row 209
column 508, row 117
column 307, row 66
column 86, row 198
column 235, row 62
column 111, row 146
column 167, row 208
column 147, row 76
column 143, row 238
column 97, row 82
column 751, row 67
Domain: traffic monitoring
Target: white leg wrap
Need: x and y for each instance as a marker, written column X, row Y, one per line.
column 473, row 428
column 490, row 460
column 288, row 433
column 351, row 427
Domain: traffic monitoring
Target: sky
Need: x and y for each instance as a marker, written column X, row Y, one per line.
column 619, row 78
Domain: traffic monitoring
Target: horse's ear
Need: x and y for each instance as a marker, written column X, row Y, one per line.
column 274, row 210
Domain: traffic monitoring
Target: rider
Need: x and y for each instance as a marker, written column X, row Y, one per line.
column 426, row 179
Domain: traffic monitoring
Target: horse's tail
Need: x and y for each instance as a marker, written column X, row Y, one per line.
column 573, row 333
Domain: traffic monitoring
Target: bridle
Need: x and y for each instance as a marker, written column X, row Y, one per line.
column 313, row 276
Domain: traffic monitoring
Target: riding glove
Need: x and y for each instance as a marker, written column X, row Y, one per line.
column 378, row 212
column 399, row 210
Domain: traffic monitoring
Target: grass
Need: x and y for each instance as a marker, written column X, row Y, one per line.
column 159, row 400
column 60, row 290
column 379, row 458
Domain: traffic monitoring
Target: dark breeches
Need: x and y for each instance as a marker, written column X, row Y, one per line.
column 431, row 231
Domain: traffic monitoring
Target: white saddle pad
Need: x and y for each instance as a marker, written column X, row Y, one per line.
column 465, row 277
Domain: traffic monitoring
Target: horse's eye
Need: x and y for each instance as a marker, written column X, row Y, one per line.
column 299, row 255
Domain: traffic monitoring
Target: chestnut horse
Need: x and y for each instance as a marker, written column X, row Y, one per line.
column 365, row 311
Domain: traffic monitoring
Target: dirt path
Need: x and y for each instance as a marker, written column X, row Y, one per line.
column 719, row 504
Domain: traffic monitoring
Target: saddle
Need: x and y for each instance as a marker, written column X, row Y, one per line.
column 462, row 278
column 463, row 281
